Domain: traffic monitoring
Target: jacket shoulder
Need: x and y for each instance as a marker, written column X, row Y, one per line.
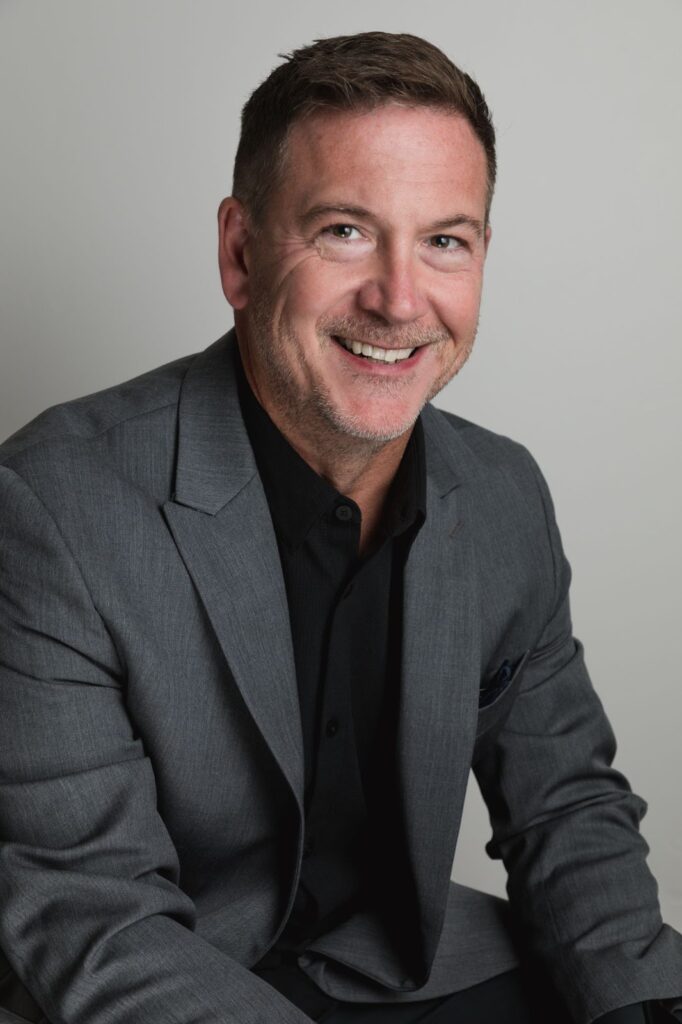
column 481, row 448
column 90, row 416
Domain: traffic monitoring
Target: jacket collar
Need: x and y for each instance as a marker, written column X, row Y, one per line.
column 215, row 458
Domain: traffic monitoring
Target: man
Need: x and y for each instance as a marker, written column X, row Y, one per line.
column 263, row 608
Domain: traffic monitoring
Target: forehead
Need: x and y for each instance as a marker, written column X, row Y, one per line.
column 390, row 150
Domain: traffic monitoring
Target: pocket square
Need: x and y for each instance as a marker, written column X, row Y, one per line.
column 498, row 682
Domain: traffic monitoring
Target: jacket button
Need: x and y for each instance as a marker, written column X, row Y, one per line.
column 308, row 847
column 332, row 727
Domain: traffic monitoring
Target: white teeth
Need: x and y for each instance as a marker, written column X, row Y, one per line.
column 383, row 355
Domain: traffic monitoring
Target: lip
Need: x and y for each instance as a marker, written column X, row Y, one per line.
column 382, row 369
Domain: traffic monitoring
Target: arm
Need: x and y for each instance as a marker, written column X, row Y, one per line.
column 565, row 824
column 91, row 915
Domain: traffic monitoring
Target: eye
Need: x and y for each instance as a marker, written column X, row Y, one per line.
column 446, row 242
column 344, row 232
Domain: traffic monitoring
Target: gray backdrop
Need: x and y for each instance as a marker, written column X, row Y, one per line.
column 118, row 123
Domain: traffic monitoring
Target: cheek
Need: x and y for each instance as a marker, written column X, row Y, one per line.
column 457, row 305
column 318, row 289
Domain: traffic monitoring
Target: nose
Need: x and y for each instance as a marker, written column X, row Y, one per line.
column 393, row 290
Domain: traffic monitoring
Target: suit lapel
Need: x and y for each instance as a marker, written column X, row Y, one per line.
column 440, row 676
column 221, row 524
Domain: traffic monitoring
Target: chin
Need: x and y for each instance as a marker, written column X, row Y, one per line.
column 378, row 429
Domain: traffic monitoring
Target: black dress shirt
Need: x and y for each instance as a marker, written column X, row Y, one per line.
column 346, row 614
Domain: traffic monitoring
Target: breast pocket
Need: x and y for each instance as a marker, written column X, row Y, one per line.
column 495, row 700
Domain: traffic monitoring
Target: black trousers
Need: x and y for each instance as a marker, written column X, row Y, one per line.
column 510, row 998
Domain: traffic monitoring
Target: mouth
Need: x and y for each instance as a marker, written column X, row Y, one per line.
column 374, row 353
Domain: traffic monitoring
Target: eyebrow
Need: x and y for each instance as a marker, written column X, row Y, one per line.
column 359, row 212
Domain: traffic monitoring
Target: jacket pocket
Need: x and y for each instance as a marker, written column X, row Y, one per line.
column 505, row 677
column 495, row 702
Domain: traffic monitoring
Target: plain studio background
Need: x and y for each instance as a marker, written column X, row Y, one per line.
column 118, row 125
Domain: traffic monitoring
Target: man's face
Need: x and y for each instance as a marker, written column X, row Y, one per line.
column 374, row 237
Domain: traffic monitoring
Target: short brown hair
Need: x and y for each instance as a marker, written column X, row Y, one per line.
column 358, row 72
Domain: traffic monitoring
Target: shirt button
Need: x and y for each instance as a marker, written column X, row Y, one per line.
column 332, row 727
column 308, row 847
column 343, row 513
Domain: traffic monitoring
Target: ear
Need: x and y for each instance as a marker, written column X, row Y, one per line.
column 487, row 237
column 233, row 235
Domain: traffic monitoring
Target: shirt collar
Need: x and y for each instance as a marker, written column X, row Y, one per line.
column 297, row 496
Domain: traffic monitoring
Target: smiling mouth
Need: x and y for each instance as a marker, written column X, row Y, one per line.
column 374, row 352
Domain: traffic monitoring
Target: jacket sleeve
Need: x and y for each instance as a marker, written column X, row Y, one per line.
column 565, row 824
column 92, row 919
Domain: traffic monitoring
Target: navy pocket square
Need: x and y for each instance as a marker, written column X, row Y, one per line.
column 498, row 682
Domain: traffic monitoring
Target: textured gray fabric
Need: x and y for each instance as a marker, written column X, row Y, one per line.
column 150, row 748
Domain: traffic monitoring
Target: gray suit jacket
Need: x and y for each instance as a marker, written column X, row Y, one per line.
column 150, row 747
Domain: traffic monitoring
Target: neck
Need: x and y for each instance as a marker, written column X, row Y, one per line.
column 360, row 469
column 364, row 474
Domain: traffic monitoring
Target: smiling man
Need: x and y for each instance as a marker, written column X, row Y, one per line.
column 263, row 609
column 356, row 299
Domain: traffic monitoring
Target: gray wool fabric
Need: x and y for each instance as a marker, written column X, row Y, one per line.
column 151, row 760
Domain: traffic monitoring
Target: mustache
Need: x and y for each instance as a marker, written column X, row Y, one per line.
column 355, row 329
